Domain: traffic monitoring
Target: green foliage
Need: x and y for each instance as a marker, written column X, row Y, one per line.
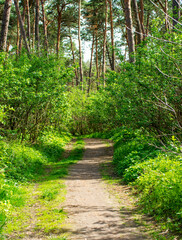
column 33, row 89
column 160, row 188
column 51, row 145
column 20, row 162
column 131, row 147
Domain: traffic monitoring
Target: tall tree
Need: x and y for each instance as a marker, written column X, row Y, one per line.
column 91, row 61
column 74, row 61
column 28, row 21
column 105, row 41
column 138, row 24
column 22, row 26
column 59, row 11
column 142, row 17
column 129, row 26
column 44, row 26
column 37, row 16
column 5, row 24
column 112, row 35
column 80, row 44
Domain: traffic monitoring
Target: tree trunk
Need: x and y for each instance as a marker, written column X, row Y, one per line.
column 176, row 12
column 91, row 60
column 37, row 40
column 73, row 54
column 45, row 27
column 129, row 25
column 28, row 21
column 112, row 35
column 23, row 20
column 21, row 26
column 147, row 25
column 96, row 52
column 104, row 44
column 18, row 37
column 138, row 25
column 59, row 29
column 108, row 54
column 33, row 37
column 5, row 24
column 80, row 47
column 142, row 17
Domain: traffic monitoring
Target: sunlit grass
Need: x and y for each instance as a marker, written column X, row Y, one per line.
column 43, row 213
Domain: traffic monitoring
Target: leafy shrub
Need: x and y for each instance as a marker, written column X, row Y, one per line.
column 160, row 186
column 20, row 162
column 131, row 147
column 52, row 145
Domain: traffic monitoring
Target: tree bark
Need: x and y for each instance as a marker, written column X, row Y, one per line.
column 147, row 25
column 73, row 54
column 108, row 54
column 23, row 20
column 28, row 21
column 59, row 28
column 138, row 25
column 129, row 25
column 96, row 52
column 37, row 40
column 142, row 17
column 80, row 47
column 21, row 26
column 44, row 26
column 104, row 44
column 91, row 60
column 112, row 35
column 18, row 37
column 33, row 31
column 5, row 24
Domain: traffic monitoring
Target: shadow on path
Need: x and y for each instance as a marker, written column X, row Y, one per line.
column 94, row 213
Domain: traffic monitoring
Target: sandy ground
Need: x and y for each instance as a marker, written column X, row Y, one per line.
column 94, row 213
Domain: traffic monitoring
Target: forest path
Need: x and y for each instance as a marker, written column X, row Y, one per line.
column 94, row 213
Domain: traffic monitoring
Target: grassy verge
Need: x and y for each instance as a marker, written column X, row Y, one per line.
column 35, row 208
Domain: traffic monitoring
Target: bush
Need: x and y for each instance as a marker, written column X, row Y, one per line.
column 52, row 145
column 131, row 147
column 159, row 185
column 19, row 161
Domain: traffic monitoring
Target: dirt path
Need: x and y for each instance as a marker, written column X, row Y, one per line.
column 93, row 212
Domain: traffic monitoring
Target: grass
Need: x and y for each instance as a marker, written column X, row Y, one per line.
column 43, row 214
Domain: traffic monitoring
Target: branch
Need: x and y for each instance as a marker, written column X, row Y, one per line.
column 164, row 73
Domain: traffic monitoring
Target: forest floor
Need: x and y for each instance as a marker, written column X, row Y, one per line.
column 95, row 213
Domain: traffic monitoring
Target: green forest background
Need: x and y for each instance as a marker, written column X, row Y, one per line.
column 130, row 91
